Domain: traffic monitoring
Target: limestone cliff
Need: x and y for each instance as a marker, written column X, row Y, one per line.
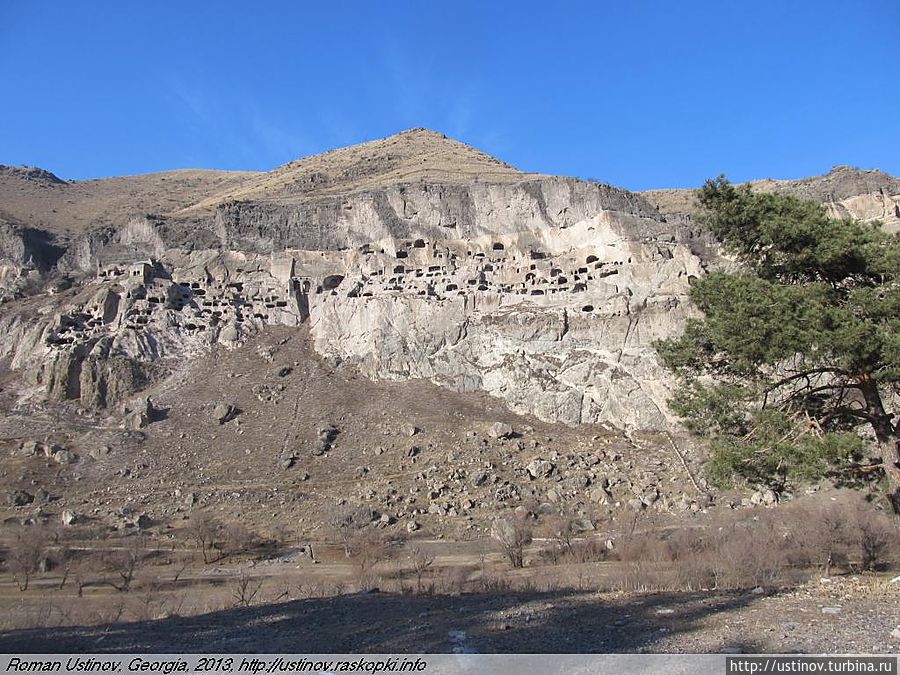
column 411, row 257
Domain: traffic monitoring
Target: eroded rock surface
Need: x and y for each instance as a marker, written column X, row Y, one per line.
column 410, row 257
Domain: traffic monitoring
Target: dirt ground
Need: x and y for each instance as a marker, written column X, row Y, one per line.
column 838, row 615
column 234, row 470
column 402, row 448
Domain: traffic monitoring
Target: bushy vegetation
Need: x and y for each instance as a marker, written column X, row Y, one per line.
column 798, row 350
column 772, row 550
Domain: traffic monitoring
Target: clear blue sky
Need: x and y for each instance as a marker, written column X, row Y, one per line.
column 636, row 93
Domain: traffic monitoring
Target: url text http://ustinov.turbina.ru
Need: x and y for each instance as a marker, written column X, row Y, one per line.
column 823, row 665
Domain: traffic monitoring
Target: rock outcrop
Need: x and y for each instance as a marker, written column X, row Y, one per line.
column 846, row 192
column 410, row 257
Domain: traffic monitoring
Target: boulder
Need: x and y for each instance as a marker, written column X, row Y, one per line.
column 500, row 430
column 135, row 420
column 539, row 468
column 583, row 525
column 764, row 497
column 59, row 454
column 230, row 333
column 224, row 412
column 600, row 495
column 19, row 498
column 30, row 448
column 142, row 521
column 327, row 433
column 69, row 518
column 100, row 451
column 636, row 504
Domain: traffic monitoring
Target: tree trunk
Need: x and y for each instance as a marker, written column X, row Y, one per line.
column 888, row 439
column 890, row 458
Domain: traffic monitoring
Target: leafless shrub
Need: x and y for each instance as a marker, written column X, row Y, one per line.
column 746, row 557
column 245, row 590
column 282, row 535
column 730, row 555
column 561, row 531
column 204, row 529
column 493, row 583
column 28, row 549
column 124, row 563
column 344, row 520
column 236, row 538
column 366, row 549
column 456, row 578
column 821, row 535
column 513, row 534
column 876, row 537
column 420, row 561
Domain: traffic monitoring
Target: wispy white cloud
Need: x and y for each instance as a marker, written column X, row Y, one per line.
column 423, row 94
column 231, row 131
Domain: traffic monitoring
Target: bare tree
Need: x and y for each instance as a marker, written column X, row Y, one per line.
column 561, row 530
column 245, row 590
column 421, row 561
column 25, row 555
column 367, row 549
column 125, row 563
column 876, row 535
column 344, row 520
column 204, row 530
column 513, row 534
column 236, row 538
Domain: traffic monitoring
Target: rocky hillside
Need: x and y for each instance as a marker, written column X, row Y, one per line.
column 410, row 257
column 846, row 191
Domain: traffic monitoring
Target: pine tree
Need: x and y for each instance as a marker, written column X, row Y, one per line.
column 798, row 351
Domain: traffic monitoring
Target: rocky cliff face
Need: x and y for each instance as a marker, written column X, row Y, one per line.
column 411, row 257
column 847, row 193
column 558, row 321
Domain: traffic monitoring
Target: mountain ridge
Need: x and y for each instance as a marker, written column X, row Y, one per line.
column 39, row 198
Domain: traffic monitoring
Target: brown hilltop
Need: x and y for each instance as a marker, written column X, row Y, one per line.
column 40, row 199
column 865, row 194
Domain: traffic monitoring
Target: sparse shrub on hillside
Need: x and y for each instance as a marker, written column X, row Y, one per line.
column 821, row 535
column 282, row 535
column 420, row 561
column 236, row 538
column 513, row 534
column 367, row 549
column 245, row 589
column 125, row 562
column 28, row 549
column 566, row 545
column 561, row 531
column 771, row 549
column 344, row 520
column 747, row 556
column 204, row 529
column 877, row 538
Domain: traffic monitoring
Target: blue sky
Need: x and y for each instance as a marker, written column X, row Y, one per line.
column 638, row 94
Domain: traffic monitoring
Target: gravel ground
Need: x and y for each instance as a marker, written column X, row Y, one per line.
column 851, row 615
